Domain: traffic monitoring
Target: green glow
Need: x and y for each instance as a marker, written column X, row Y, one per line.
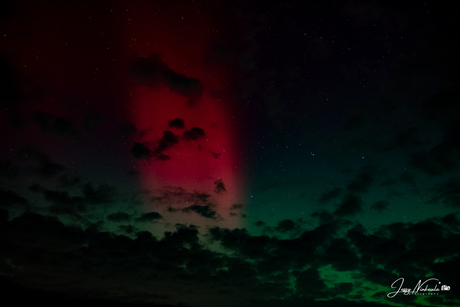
column 292, row 282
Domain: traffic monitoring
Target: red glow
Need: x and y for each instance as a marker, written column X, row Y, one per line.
column 194, row 165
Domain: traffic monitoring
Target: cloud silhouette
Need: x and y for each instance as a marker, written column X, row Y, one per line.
column 152, row 71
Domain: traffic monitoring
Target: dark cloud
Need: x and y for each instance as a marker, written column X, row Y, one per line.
column 149, row 217
column 237, row 207
column 162, row 157
column 215, row 154
column 324, row 217
column 41, row 164
column 67, row 180
column 450, row 221
column 439, row 160
column 286, row 226
column 176, row 123
column 128, row 229
column 153, row 71
column 380, row 205
column 54, row 124
column 10, row 199
column 330, row 195
column 61, row 201
column 260, row 224
column 184, row 235
column 103, row 194
column 447, row 194
column 340, row 255
column 360, row 184
column 44, row 237
column 119, row 217
column 198, row 197
column 33, row 231
column 447, row 270
column 350, row 206
column 140, row 151
column 167, row 140
column 239, row 240
column 206, row 211
column 261, row 265
column 193, row 134
column 179, row 195
column 36, row 188
column 219, row 186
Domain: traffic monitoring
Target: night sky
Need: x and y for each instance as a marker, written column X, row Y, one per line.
column 230, row 153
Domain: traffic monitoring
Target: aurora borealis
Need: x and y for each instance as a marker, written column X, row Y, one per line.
column 229, row 153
